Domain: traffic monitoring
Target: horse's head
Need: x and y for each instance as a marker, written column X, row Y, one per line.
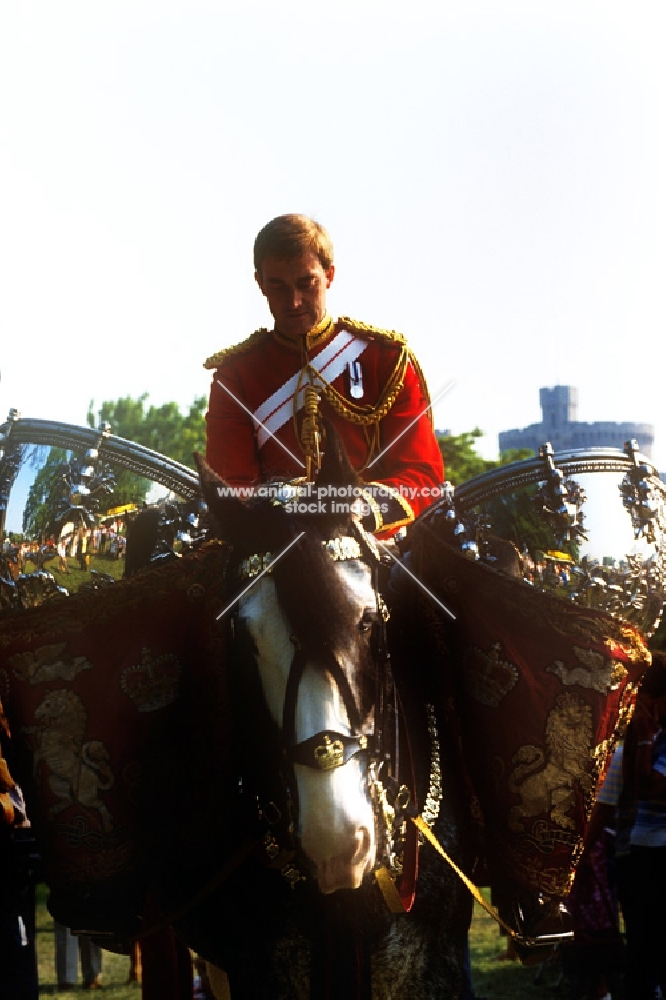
column 313, row 619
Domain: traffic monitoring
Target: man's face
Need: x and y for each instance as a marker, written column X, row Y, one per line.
column 296, row 291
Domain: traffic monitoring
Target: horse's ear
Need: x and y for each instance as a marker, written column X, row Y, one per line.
column 229, row 514
column 336, row 469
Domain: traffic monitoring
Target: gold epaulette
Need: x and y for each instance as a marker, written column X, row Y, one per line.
column 229, row 352
column 365, row 330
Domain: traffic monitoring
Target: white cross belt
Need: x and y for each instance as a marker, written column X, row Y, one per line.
column 330, row 362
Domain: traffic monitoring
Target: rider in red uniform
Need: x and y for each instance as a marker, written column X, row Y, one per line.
column 262, row 423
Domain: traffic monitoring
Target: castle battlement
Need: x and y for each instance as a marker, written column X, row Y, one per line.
column 559, row 408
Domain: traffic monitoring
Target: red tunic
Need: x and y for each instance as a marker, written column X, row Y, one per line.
column 412, row 467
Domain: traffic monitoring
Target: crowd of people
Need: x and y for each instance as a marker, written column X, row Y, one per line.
column 79, row 544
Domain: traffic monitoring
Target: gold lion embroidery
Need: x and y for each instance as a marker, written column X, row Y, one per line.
column 597, row 672
column 545, row 781
column 47, row 663
column 79, row 769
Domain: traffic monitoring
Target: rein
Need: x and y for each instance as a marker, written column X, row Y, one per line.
column 310, row 752
column 330, row 749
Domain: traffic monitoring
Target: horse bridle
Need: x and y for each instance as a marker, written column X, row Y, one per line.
column 329, row 749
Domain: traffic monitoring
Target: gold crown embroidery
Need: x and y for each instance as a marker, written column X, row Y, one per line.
column 329, row 754
column 153, row 683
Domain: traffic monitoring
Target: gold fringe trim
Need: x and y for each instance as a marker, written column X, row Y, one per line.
column 215, row 360
column 403, row 503
column 366, row 331
column 375, row 509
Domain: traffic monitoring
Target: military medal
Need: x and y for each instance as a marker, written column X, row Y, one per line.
column 355, row 379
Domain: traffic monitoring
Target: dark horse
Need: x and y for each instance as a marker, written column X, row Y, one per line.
column 249, row 760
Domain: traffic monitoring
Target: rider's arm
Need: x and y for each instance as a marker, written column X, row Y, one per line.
column 230, row 440
column 410, row 463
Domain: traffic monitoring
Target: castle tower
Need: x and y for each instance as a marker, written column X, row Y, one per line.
column 559, row 406
column 560, row 426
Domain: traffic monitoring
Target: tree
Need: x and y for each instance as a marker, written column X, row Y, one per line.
column 463, row 462
column 40, row 504
column 162, row 428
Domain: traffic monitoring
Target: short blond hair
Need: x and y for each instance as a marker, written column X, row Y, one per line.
column 289, row 236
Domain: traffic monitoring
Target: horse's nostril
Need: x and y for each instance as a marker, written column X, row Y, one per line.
column 364, row 842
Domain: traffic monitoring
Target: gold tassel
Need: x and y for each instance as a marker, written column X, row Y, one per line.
column 311, row 433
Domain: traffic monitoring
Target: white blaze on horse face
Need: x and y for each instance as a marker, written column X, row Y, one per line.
column 335, row 817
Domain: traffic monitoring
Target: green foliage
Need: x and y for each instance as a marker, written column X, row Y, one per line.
column 38, row 510
column 161, row 428
column 496, row 977
column 463, row 462
column 516, row 518
column 515, row 455
column 129, row 488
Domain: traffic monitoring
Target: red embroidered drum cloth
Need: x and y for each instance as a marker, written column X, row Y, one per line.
column 542, row 686
column 113, row 699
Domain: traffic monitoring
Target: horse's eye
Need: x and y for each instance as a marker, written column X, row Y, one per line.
column 366, row 622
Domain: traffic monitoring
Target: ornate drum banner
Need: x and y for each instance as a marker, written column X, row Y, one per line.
column 118, row 716
column 554, row 570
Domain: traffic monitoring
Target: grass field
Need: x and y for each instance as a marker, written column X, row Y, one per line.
column 115, row 968
column 73, row 580
column 492, row 979
column 498, row 979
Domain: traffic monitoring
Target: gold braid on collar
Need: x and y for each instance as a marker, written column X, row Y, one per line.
column 313, row 338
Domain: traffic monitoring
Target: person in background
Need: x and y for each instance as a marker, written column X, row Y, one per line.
column 595, row 960
column 18, row 863
column 82, row 553
column 642, row 812
column 68, row 949
column 62, row 555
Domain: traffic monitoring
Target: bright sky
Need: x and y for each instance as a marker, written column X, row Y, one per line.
column 491, row 174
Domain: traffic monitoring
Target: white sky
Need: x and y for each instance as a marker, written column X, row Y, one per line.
column 491, row 174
